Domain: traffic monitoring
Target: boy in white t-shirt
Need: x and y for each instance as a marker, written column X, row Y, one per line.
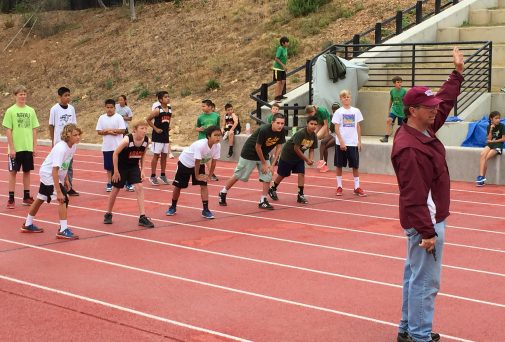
column 111, row 127
column 61, row 114
column 192, row 165
column 348, row 141
column 54, row 171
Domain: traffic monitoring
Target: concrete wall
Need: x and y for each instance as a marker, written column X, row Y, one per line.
column 375, row 157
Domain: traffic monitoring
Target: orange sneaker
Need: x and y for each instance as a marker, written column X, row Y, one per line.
column 320, row 164
column 339, row 191
column 324, row 168
column 359, row 192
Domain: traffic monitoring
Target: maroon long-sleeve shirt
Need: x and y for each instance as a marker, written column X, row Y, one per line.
column 420, row 167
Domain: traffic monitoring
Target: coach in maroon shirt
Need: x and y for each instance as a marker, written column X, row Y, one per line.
column 423, row 178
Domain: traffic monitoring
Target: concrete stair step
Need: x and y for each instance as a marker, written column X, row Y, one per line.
column 474, row 33
column 487, row 17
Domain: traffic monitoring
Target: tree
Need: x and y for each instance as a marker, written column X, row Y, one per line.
column 133, row 15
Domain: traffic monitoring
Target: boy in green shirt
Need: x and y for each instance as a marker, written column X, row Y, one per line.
column 206, row 119
column 396, row 95
column 280, row 69
column 20, row 122
column 323, row 120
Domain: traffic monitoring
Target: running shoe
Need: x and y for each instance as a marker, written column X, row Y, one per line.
column 324, row 168
column 272, row 192
column 28, row 201
column 480, row 181
column 107, row 218
column 321, row 163
column 108, row 187
column 339, row 191
column 301, row 199
column 384, row 139
column 265, row 205
column 72, row 192
column 230, row 154
column 359, row 192
column 164, row 180
column 171, row 211
column 66, row 234
column 130, row 188
column 145, row 222
column 213, row 177
column 207, row 214
column 170, row 156
column 154, row 180
column 404, row 337
column 222, row 199
column 31, row 229
column 10, row 204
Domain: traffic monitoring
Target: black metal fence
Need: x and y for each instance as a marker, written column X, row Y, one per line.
column 426, row 64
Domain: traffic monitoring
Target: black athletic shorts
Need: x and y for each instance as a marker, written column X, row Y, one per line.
column 284, row 168
column 349, row 156
column 47, row 191
column 279, row 75
column 183, row 174
column 24, row 159
column 129, row 175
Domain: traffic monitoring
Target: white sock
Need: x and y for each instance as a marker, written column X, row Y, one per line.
column 339, row 181
column 29, row 220
column 356, row 182
column 63, row 225
column 224, row 190
column 263, row 198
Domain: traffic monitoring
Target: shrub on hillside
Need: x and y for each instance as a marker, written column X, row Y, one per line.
column 212, row 84
column 300, row 8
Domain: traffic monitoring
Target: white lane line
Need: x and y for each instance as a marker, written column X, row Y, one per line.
column 359, row 231
column 325, row 178
column 260, row 261
column 266, row 237
column 220, row 287
column 122, row 308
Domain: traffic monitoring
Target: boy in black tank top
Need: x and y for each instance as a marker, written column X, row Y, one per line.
column 162, row 116
column 231, row 127
column 128, row 159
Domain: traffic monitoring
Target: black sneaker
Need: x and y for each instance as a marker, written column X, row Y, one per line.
column 384, row 139
column 222, row 199
column 107, row 218
column 301, row 199
column 404, row 337
column 145, row 222
column 265, row 205
column 213, row 177
column 272, row 192
column 72, row 192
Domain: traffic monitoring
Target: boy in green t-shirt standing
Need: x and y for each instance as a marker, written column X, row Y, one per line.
column 396, row 95
column 206, row 119
column 280, row 69
column 20, row 122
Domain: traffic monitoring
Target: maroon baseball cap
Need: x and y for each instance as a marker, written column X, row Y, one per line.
column 420, row 96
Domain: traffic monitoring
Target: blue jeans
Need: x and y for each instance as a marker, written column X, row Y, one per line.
column 421, row 282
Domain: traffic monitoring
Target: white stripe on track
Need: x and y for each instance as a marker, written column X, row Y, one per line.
column 220, row 287
column 259, row 261
column 121, row 308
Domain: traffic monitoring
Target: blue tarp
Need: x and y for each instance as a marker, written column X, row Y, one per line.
column 476, row 136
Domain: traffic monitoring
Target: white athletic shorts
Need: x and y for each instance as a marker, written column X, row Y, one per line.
column 158, row 148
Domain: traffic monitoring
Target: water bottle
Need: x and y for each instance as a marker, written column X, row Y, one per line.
column 248, row 128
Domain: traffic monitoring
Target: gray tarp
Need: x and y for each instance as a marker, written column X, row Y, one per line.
column 326, row 92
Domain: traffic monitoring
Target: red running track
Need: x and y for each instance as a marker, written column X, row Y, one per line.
column 327, row 271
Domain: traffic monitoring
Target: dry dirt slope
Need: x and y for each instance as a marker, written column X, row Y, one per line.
column 101, row 54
